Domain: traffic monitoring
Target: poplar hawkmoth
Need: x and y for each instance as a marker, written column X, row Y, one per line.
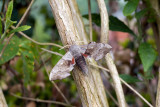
column 75, row 56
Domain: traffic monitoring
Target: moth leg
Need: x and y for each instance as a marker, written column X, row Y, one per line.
column 85, row 55
column 73, row 61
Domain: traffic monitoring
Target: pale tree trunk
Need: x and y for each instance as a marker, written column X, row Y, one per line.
column 90, row 88
column 2, row 99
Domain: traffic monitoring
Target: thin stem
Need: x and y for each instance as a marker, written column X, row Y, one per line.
column 40, row 100
column 36, row 42
column 158, row 91
column 55, row 85
column 24, row 15
column 90, row 20
column 56, row 53
column 110, row 95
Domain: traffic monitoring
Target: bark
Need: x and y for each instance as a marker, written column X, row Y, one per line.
column 90, row 87
column 77, row 19
column 2, row 99
column 109, row 60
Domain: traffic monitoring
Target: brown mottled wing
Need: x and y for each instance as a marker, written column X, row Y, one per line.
column 96, row 50
column 63, row 68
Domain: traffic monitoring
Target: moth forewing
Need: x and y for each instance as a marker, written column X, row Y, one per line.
column 63, row 68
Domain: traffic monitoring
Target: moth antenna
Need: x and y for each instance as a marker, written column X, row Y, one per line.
column 66, row 46
column 56, row 53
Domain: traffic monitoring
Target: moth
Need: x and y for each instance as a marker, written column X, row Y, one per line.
column 75, row 56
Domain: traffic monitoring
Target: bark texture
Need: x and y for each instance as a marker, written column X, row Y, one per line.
column 90, row 87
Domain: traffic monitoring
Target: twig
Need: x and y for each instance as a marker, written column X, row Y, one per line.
column 41, row 64
column 24, row 15
column 90, row 20
column 2, row 99
column 158, row 91
column 116, row 80
column 110, row 95
column 22, row 18
column 127, row 86
column 99, row 67
column 55, row 84
column 48, row 73
column 27, row 37
column 136, row 92
column 56, row 53
column 42, row 101
column 66, row 46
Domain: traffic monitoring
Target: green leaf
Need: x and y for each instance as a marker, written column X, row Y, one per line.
column 147, row 55
column 130, row 7
column 95, row 18
column 28, row 65
column 141, row 13
column 10, row 51
column 129, row 79
column 21, row 28
column 35, row 51
column 0, row 26
column 114, row 23
column 9, row 10
column 28, row 58
column 117, row 25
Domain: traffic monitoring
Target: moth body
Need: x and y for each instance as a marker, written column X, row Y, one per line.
column 81, row 63
column 79, row 59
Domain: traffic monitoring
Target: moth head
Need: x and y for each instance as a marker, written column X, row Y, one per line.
column 74, row 49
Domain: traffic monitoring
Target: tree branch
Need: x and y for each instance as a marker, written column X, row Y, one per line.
column 77, row 19
column 36, row 42
column 109, row 60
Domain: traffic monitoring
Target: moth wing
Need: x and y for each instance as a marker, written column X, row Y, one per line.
column 97, row 50
column 63, row 68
